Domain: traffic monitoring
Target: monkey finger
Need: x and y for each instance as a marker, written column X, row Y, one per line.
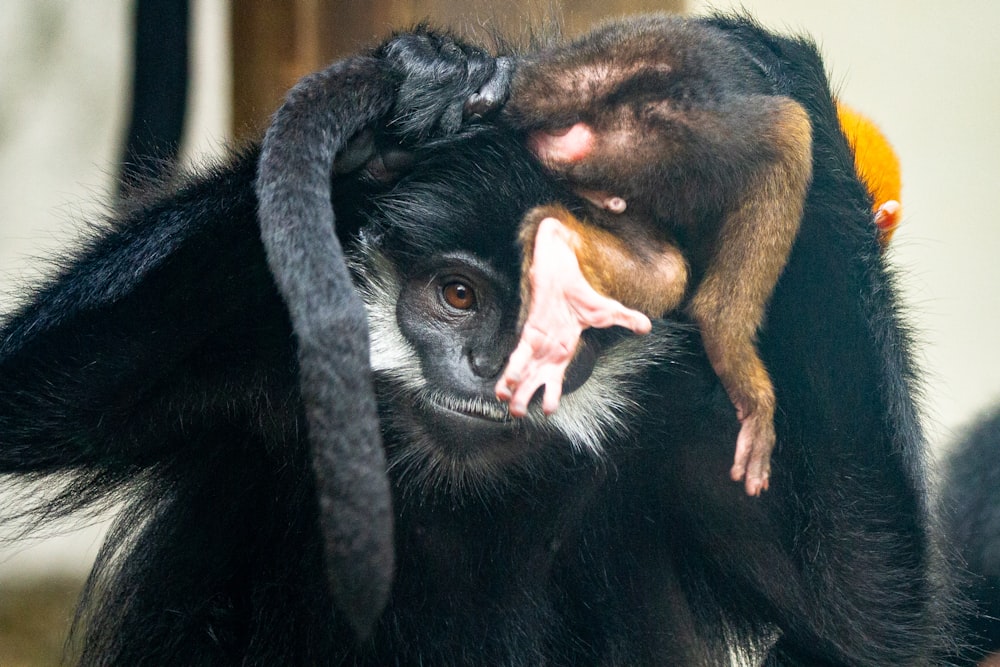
column 757, row 476
column 630, row 319
column 596, row 310
column 752, row 463
column 742, row 456
column 887, row 219
column 758, row 485
column 513, row 374
column 519, row 362
column 553, row 392
column 604, row 200
column 503, row 389
column 520, row 382
column 523, row 395
column 540, row 374
column 508, row 383
column 493, row 93
column 519, row 374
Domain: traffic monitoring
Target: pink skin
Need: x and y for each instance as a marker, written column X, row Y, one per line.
column 887, row 215
column 752, row 469
column 570, row 146
column 563, row 304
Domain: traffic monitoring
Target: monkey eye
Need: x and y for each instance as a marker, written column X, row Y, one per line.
column 459, row 295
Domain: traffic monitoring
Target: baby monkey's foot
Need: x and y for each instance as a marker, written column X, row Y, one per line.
column 562, row 305
column 754, row 445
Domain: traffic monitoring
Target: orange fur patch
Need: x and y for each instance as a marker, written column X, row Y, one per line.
column 876, row 163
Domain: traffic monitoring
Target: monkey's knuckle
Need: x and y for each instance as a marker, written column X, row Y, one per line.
column 409, row 51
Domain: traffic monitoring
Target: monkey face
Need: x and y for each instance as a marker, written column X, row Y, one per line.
column 441, row 285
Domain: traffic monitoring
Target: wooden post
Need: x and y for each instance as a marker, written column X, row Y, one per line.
column 275, row 42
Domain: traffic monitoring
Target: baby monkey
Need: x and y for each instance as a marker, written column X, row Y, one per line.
column 673, row 138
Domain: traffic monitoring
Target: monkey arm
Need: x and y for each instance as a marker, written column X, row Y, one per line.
column 83, row 363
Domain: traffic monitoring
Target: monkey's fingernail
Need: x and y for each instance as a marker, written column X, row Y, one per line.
column 476, row 106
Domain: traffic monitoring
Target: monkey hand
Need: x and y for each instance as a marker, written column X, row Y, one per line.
column 754, row 445
column 887, row 218
column 442, row 83
column 562, row 305
column 438, row 84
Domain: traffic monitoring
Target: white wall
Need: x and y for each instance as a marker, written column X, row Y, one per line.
column 929, row 74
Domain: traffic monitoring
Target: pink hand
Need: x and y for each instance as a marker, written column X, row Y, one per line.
column 563, row 304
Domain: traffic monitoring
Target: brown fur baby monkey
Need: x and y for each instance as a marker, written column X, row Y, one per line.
column 695, row 175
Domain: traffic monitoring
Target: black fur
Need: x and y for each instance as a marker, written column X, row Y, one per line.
column 160, row 367
column 972, row 503
column 418, row 85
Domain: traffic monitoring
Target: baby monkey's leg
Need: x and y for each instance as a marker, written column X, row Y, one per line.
column 572, row 273
column 729, row 303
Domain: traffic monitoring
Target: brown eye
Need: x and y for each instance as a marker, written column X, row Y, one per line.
column 459, row 296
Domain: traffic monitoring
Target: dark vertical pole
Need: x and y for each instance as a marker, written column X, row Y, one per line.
column 160, row 82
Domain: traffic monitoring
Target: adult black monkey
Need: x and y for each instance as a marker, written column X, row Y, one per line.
column 414, row 87
column 160, row 364
column 420, row 85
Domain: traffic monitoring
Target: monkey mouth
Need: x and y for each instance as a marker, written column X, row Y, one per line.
column 475, row 408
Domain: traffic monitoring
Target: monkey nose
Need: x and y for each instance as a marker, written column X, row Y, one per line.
column 565, row 145
column 486, row 365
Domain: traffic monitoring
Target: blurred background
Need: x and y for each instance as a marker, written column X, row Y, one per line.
column 924, row 71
